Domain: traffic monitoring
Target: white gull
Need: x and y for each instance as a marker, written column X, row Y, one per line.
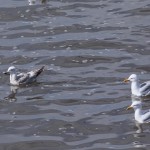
column 138, row 89
column 23, row 78
column 139, row 116
column 33, row 2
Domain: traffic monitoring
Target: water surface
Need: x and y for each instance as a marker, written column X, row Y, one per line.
column 88, row 48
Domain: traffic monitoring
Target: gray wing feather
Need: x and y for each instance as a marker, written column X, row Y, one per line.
column 20, row 75
column 36, row 73
column 29, row 76
column 146, row 116
column 23, row 79
column 145, row 87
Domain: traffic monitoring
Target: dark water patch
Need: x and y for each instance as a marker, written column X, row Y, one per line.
column 75, row 44
column 28, row 14
column 137, row 12
column 36, row 145
column 81, row 5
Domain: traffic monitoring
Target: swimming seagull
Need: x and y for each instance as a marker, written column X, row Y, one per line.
column 139, row 116
column 138, row 89
column 33, row 2
column 23, row 78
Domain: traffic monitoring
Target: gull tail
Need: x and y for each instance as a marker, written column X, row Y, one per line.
column 39, row 71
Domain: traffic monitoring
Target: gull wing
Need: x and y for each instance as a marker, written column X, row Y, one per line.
column 28, row 77
column 145, row 87
column 146, row 116
column 36, row 73
column 23, row 79
column 20, row 75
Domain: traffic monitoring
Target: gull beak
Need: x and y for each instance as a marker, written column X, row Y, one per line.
column 130, row 107
column 126, row 80
column 6, row 73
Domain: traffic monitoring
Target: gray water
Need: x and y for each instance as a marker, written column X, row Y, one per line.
column 79, row 102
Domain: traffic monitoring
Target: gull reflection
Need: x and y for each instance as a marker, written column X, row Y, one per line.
column 12, row 96
column 139, row 127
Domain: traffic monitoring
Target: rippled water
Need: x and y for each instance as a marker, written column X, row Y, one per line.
column 79, row 102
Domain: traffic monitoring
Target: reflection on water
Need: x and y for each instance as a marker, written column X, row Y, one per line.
column 139, row 126
column 12, row 96
column 88, row 48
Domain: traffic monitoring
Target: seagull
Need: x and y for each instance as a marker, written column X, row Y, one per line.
column 138, row 89
column 33, row 2
column 139, row 116
column 23, row 78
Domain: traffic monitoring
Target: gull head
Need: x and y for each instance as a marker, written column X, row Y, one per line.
column 10, row 70
column 135, row 105
column 132, row 78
